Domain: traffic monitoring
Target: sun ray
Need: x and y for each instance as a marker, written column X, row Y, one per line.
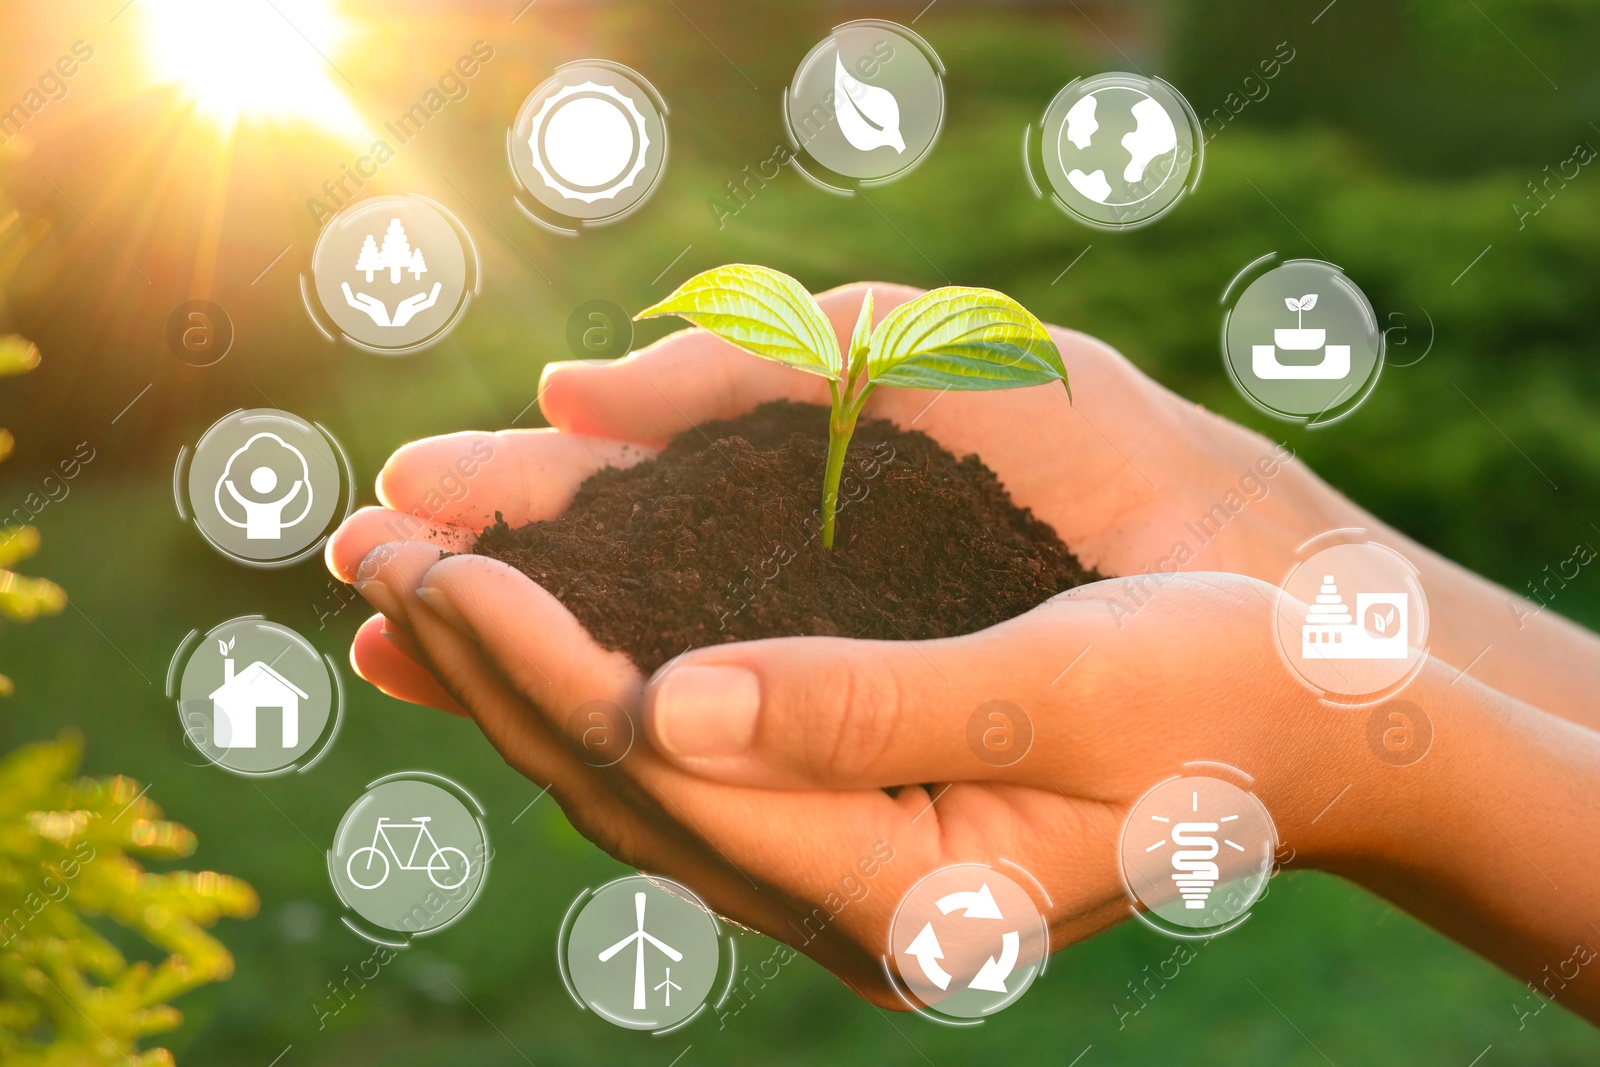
column 253, row 59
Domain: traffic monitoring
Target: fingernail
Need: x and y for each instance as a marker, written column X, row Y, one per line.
column 380, row 596
column 706, row 711
column 441, row 605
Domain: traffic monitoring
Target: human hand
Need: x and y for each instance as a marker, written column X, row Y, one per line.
column 533, row 475
column 829, row 720
column 1181, row 679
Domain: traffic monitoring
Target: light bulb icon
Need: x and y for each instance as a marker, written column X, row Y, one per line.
column 1197, row 851
column 1194, row 866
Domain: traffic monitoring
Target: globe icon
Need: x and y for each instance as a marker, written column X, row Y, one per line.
column 1117, row 146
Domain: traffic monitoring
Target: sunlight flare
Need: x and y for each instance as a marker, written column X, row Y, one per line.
column 244, row 59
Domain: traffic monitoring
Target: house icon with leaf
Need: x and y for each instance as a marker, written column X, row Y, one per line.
column 240, row 699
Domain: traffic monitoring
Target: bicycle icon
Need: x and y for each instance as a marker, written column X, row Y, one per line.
column 442, row 863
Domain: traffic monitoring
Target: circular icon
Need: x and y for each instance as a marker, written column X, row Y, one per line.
column 1196, row 854
column 590, row 144
column 999, row 733
column 1352, row 621
column 1119, row 150
column 412, row 854
column 264, row 486
column 1302, row 342
column 1399, row 733
column 642, row 952
column 392, row 273
column 604, row 732
column 867, row 102
column 968, row 940
column 256, row 698
column 199, row 332
column 599, row 329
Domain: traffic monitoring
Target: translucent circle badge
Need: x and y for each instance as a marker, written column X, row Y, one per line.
column 1300, row 340
column 589, row 145
column 264, row 487
column 1117, row 150
column 966, row 941
column 392, row 274
column 1197, row 852
column 865, row 105
column 410, row 856
column 644, row 953
column 255, row 698
column 1352, row 619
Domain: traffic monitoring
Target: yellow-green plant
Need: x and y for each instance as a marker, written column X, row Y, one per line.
column 69, row 850
column 951, row 338
column 20, row 597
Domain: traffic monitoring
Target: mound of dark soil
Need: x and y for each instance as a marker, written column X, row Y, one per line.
column 718, row 539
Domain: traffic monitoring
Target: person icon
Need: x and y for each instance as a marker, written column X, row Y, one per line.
column 263, row 519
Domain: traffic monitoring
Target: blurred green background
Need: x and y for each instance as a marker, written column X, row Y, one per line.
column 1400, row 142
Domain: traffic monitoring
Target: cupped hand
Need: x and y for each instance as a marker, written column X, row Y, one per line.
column 760, row 777
column 831, row 721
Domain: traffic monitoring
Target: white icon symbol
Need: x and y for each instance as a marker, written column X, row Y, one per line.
column 263, row 520
column 637, row 939
column 439, row 865
column 1153, row 135
column 243, row 696
column 1335, row 362
column 1194, row 866
column 669, row 985
column 869, row 116
column 1376, row 631
column 589, row 141
column 925, row 947
column 396, row 257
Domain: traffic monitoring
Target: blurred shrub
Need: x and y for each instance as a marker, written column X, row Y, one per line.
column 21, row 598
column 68, row 995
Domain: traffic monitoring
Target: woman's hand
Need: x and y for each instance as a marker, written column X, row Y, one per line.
column 1188, row 675
column 828, row 721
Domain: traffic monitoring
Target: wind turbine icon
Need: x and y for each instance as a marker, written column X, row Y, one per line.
column 638, row 938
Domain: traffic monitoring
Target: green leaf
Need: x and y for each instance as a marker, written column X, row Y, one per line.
column 963, row 338
column 861, row 338
column 760, row 310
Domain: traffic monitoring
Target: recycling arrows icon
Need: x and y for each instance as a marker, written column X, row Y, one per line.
column 979, row 904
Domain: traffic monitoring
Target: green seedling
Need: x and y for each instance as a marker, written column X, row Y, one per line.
column 952, row 338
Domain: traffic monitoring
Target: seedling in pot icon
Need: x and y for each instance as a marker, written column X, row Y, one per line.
column 368, row 866
column 1335, row 362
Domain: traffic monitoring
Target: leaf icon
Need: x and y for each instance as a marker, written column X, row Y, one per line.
column 869, row 117
column 1382, row 620
column 1292, row 304
column 1308, row 302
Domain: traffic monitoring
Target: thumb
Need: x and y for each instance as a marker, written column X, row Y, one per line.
column 807, row 712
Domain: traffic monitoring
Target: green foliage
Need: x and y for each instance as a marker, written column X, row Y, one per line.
column 20, row 597
column 67, row 856
column 961, row 338
column 762, row 311
column 950, row 338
